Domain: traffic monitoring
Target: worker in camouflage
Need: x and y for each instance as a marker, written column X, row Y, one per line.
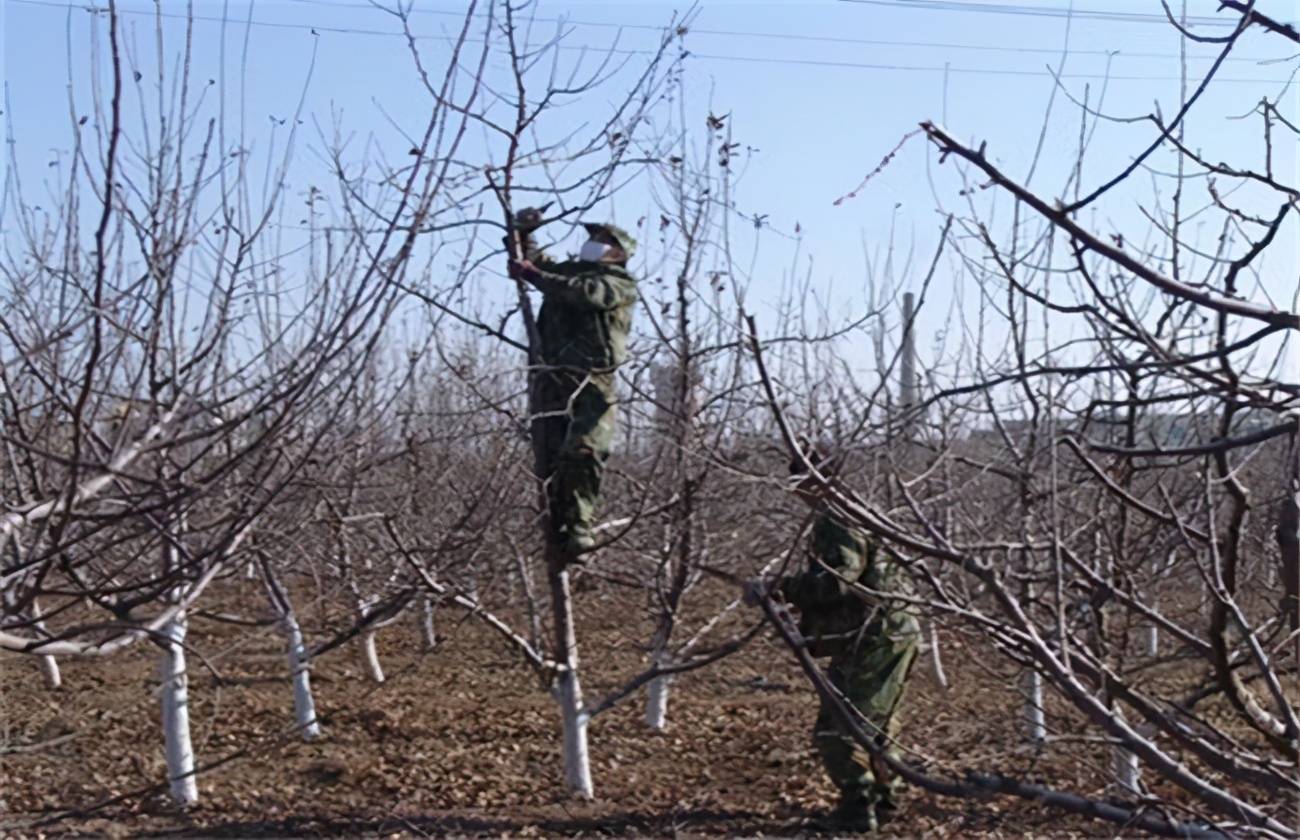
column 583, row 326
column 871, row 641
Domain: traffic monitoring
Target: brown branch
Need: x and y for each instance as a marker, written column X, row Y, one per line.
column 1059, row 217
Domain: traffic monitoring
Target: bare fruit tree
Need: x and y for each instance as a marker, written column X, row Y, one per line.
column 1118, row 519
column 158, row 372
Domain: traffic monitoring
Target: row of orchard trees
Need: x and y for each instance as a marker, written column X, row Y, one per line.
column 1098, row 484
column 195, row 399
column 1121, row 523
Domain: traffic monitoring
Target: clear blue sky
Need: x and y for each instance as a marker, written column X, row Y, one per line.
column 822, row 89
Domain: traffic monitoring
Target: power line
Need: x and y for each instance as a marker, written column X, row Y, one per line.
column 1042, row 11
column 987, row 71
column 792, row 36
column 930, row 5
column 806, row 62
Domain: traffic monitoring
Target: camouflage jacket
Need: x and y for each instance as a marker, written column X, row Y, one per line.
column 830, row 614
column 586, row 312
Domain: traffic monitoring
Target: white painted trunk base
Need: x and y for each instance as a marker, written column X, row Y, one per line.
column 428, row 633
column 577, row 758
column 656, row 705
column 1128, row 771
column 370, row 657
column 50, row 672
column 936, row 658
column 49, row 665
column 304, row 704
column 177, row 745
column 1151, row 640
column 1125, row 766
column 1031, row 685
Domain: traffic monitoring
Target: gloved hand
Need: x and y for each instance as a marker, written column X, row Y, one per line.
column 529, row 219
column 520, row 269
column 753, row 591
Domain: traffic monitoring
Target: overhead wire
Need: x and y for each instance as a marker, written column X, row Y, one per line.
column 317, row 29
column 788, row 36
column 1107, row 15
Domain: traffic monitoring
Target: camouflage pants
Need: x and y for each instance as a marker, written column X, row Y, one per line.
column 872, row 676
column 573, row 423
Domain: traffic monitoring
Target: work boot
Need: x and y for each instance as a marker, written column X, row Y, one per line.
column 854, row 813
column 884, row 800
column 886, row 810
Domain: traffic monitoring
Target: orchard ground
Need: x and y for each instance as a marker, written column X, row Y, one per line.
column 463, row 740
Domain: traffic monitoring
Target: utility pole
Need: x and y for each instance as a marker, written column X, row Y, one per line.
column 903, row 450
column 907, row 387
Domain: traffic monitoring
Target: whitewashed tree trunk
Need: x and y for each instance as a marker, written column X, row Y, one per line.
column 577, row 758
column 656, row 706
column 1125, row 766
column 48, row 664
column 177, row 744
column 1127, row 770
column 1035, row 717
column 1151, row 640
column 428, row 632
column 936, row 658
column 366, row 651
column 304, row 704
column 370, row 657
column 50, row 672
column 568, row 689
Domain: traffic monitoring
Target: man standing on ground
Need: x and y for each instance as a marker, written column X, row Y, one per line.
column 870, row 639
column 583, row 324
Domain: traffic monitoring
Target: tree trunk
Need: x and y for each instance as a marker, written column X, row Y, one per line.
column 1128, row 773
column 50, row 672
column 577, row 759
column 49, row 665
column 428, row 634
column 304, row 705
column 1125, row 767
column 656, row 706
column 568, row 689
column 176, row 714
column 1035, row 717
column 1151, row 639
column 370, row 657
column 936, row 658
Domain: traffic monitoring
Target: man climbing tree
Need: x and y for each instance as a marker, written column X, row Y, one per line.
column 846, row 614
column 583, row 327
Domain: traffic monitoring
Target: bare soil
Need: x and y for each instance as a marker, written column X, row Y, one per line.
column 463, row 740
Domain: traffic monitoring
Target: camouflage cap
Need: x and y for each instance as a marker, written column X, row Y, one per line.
column 624, row 239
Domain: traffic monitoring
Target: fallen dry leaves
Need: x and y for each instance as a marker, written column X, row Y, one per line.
column 463, row 741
